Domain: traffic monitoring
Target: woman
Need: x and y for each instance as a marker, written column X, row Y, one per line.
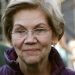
column 32, row 27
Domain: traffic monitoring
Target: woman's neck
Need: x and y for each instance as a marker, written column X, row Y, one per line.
column 42, row 68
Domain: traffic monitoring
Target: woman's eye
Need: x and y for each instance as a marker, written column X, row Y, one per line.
column 40, row 30
column 19, row 31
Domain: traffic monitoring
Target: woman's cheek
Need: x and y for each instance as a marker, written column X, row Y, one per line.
column 17, row 43
column 45, row 40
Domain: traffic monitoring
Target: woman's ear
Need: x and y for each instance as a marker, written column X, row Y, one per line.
column 54, row 40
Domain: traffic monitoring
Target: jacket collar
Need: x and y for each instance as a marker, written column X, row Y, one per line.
column 54, row 58
column 56, row 62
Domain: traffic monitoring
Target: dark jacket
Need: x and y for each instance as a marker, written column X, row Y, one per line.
column 12, row 68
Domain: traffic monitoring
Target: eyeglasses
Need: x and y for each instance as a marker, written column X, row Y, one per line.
column 19, row 33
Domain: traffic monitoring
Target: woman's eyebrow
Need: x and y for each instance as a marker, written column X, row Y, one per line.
column 40, row 25
column 19, row 25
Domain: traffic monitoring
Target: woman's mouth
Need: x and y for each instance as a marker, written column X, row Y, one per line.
column 32, row 52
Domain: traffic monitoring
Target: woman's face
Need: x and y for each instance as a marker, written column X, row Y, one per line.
column 31, row 36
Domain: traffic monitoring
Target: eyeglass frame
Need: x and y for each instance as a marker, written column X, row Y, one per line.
column 36, row 32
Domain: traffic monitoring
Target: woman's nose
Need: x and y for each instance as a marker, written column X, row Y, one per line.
column 30, row 38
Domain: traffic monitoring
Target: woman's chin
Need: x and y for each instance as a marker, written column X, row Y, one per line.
column 32, row 60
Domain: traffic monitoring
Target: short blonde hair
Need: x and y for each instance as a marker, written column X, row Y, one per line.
column 49, row 6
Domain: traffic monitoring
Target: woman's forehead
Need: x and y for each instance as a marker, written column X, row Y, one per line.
column 30, row 17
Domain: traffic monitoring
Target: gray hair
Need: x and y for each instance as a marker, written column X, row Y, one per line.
column 49, row 6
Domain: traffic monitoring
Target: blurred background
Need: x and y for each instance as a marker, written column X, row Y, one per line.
column 66, row 46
